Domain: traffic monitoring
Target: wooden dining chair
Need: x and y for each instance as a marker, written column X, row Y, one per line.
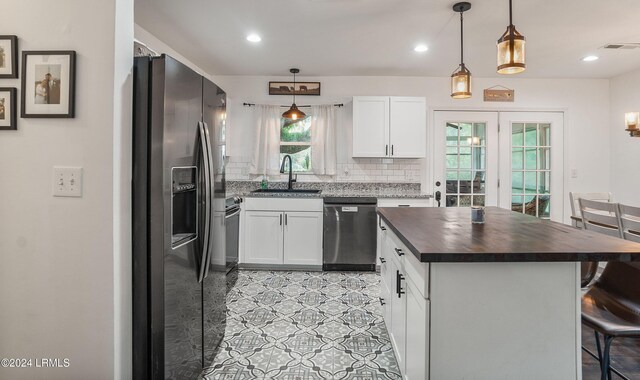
column 611, row 307
column 576, row 216
column 630, row 222
column 601, row 217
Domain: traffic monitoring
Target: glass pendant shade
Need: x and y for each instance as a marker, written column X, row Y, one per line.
column 511, row 52
column 461, row 83
column 294, row 113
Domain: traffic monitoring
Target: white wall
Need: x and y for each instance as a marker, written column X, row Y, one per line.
column 625, row 150
column 585, row 102
column 65, row 262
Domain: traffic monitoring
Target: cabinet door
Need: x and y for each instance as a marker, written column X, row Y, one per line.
column 263, row 237
column 417, row 354
column 398, row 317
column 371, row 126
column 303, row 238
column 408, row 137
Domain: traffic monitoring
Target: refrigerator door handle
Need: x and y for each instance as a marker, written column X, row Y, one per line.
column 207, row 200
column 207, row 143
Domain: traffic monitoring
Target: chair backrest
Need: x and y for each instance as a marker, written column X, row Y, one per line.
column 575, row 206
column 620, row 282
column 588, row 271
column 630, row 222
column 602, row 217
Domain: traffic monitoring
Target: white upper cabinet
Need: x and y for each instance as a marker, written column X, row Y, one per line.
column 393, row 127
column 371, row 126
column 408, row 127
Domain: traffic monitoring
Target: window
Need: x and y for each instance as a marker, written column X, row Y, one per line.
column 295, row 140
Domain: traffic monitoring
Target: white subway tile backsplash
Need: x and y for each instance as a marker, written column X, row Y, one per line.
column 358, row 170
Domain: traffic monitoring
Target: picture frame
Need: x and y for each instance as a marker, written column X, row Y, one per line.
column 301, row 88
column 8, row 57
column 8, row 108
column 48, row 84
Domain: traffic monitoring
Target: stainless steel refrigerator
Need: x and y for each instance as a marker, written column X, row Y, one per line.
column 179, row 263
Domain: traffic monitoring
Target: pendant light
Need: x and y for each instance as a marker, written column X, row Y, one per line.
column 461, row 78
column 293, row 113
column 511, row 57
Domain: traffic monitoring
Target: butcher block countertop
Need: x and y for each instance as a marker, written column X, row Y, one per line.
column 442, row 234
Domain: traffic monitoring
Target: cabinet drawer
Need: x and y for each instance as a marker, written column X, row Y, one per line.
column 417, row 271
column 282, row 204
column 405, row 202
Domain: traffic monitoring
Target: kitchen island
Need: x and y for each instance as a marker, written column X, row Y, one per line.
column 494, row 301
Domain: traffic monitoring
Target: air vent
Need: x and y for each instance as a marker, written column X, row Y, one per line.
column 625, row 46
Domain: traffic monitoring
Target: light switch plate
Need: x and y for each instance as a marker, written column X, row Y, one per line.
column 67, row 181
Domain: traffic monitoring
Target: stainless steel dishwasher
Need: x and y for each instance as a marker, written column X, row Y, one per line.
column 349, row 234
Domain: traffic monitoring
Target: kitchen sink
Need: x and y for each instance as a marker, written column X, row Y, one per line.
column 285, row 191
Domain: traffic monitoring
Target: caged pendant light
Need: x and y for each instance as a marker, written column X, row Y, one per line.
column 511, row 49
column 461, row 78
column 293, row 113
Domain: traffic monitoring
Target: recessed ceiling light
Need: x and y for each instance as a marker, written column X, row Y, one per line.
column 590, row 58
column 421, row 48
column 254, row 38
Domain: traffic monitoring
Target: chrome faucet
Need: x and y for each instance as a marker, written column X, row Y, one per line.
column 291, row 179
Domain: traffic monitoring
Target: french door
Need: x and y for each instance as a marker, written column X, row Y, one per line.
column 513, row 160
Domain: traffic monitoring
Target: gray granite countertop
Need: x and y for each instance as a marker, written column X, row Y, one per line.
column 330, row 189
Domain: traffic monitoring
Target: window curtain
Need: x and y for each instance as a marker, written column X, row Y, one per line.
column 266, row 152
column 323, row 140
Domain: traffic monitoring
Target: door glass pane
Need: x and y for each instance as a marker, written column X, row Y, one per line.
column 517, row 134
column 517, row 162
column 516, row 203
column 478, row 200
column 544, row 159
column 530, row 158
column 466, row 163
column 465, row 158
column 544, row 135
column 479, row 134
column 530, row 181
column 531, row 135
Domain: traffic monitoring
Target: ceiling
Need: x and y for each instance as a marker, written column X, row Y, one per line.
column 377, row 37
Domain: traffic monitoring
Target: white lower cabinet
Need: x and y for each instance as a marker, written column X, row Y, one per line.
column 282, row 237
column 417, row 343
column 263, row 237
column 405, row 309
column 303, row 238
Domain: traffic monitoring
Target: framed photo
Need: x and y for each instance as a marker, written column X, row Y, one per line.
column 8, row 108
column 48, row 84
column 301, row 88
column 8, row 57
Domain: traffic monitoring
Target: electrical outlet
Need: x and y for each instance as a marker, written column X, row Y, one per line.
column 67, row 182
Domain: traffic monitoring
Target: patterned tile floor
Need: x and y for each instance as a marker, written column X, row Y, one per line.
column 328, row 325
column 304, row 325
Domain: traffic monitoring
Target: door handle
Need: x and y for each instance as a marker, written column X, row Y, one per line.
column 399, row 251
column 386, row 150
column 207, row 142
column 207, row 215
column 399, row 279
column 383, row 228
column 438, row 197
column 382, row 303
column 392, row 149
column 286, row 220
column 280, row 219
column 382, row 260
